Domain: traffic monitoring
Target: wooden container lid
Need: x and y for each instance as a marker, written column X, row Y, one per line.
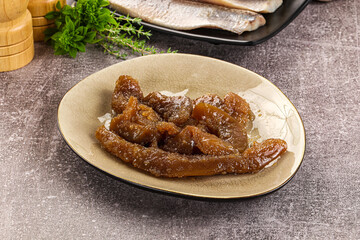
column 12, row 9
column 18, row 47
column 41, row 21
column 39, row 32
column 12, row 62
column 17, row 30
column 39, row 8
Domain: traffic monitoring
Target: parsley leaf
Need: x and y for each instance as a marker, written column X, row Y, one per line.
column 90, row 22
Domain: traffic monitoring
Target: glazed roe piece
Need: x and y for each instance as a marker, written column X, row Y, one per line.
column 193, row 140
column 211, row 99
column 166, row 164
column 125, row 87
column 222, row 125
column 182, row 143
column 137, row 123
column 168, row 128
column 176, row 109
column 209, row 144
column 238, row 108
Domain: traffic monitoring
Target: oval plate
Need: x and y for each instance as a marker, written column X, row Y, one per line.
column 275, row 117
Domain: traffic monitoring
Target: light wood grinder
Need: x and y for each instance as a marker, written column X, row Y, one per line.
column 38, row 9
column 16, row 35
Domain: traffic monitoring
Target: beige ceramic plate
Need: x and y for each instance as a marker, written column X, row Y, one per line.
column 275, row 117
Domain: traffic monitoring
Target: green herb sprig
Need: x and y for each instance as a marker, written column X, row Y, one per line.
column 90, row 22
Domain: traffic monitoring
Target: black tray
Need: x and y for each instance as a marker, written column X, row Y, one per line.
column 275, row 22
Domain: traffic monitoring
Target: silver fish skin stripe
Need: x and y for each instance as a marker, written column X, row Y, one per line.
column 189, row 15
column 262, row 6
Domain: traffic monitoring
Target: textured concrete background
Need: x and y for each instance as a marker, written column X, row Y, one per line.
column 48, row 192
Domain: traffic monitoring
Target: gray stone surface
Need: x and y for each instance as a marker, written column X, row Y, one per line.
column 48, row 192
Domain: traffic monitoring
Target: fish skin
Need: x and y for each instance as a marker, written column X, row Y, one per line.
column 189, row 15
column 262, row 6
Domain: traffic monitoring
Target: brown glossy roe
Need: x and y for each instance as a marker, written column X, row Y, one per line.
column 166, row 164
column 178, row 137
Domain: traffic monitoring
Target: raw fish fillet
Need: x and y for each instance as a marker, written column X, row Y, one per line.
column 188, row 15
column 263, row 6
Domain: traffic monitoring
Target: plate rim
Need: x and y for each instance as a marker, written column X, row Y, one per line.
column 171, row 192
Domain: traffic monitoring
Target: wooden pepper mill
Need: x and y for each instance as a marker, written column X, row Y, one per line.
column 38, row 9
column 16, row 35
